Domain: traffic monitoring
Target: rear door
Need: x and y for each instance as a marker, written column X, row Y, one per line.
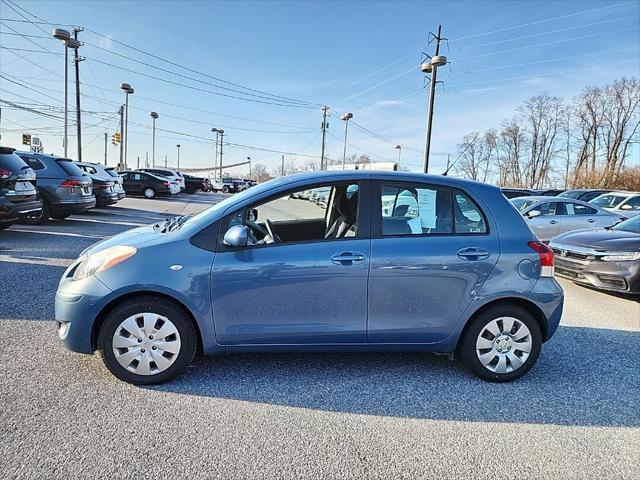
column 575, row 216
column 432, row 249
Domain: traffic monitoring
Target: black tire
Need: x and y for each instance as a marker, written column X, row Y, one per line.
column 4, row 225
column 40, row 218
column 149, row 192
column 61, row 216
column 467, row 344
column 161, row 306
column 225, row 189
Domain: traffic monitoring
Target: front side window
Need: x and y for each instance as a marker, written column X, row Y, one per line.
column 415, row 210
column 608, row 201
column 320, row 213
column 548, row 208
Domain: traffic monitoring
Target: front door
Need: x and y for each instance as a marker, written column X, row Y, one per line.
column 308, row 285
column 431, row 252
column 547, row 224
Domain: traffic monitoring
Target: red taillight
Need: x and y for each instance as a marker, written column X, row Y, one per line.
column 166, row 184
column 4, row 173
column 71, row 183
column 546, row 258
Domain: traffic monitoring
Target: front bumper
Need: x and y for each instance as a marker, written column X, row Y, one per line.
column 10, row 211
column 611, row 276
column 77, row 305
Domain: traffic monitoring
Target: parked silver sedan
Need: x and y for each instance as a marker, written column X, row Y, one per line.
column 551, row 216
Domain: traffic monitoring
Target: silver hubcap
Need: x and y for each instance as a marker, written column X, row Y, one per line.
column 504, row 345
column 146, row 343
column 148, row 193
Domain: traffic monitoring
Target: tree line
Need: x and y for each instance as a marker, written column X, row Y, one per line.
column 582, row 143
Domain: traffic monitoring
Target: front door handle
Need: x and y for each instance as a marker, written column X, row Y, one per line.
column 348, row 258
column 473, row 253
column 553, row 222
column 591, row 220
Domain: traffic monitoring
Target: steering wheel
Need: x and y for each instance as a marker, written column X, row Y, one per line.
column 274, row 237
column 256, row 227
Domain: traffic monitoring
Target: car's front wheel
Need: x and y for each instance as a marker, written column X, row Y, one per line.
column 147, row 340
column 149, row 192
column 502, row 343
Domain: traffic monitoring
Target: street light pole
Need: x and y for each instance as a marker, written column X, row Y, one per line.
column 221, row 142
column 154, row 116
column 178, row 156
column 77, row 59
column 249, row 159
column 215, row 155
column 65, row 37
column 128, row 89
column 399, row 148
column 346, row 117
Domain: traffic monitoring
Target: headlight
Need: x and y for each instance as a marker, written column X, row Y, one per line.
column 104, row 260
column 621, row 257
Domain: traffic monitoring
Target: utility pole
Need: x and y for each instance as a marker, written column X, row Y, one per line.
column 282, row 169
column 105, row 149
column 432, row 67
column 77, row 59
column 325, row 125
column 346, row 117
column 138, row 164
column 146, row 160
column 448, row 162
column 154, row 116
column 121, row 166
column 178, row 156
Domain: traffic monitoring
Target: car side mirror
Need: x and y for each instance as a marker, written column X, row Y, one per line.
column 626, row 207
column 534, row 213
column 236, row 236
column 252, row 215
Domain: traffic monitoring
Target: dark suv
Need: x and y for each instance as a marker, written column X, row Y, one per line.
column 147, row 184
column 65, row 189
column 104, row 186
column 18, row 194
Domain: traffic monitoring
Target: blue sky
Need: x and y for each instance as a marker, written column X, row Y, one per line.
column 360, row 57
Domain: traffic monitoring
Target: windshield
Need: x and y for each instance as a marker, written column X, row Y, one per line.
column 522, row 203
column 570, row 194
column 609, row 200
column 631, row 225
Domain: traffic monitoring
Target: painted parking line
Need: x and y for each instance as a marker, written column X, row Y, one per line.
column 62, row 234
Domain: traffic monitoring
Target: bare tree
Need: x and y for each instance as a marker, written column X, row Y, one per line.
column 541, row 116
column 512, row 143
column 259, row 173
column 472, row 156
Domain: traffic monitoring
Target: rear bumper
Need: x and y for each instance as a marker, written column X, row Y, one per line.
column 69, row 207
column 106, row 199
column 10, row 211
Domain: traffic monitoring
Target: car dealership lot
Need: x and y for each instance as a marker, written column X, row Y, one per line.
column 575, row 415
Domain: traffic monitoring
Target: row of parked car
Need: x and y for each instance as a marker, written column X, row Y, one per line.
column 35, row 187
column 595, row 234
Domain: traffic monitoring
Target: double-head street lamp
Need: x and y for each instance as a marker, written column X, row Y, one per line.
column 128, row 90
column 346, row 117
column 154, row 116
column 69, row 42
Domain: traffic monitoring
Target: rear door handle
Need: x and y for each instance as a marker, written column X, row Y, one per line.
column 591, row 220
column 348, row 258
column 553, row 222
column 473, row 253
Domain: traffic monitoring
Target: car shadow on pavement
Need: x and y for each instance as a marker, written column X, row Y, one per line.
column 585, row 376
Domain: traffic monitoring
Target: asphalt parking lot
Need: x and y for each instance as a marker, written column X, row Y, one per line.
column 62, row 415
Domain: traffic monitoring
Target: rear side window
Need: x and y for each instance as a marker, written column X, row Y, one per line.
column 467, row 214
column 34, row 163
column 634, row 203
column 11, row 162
column 415, row 210
column 576, row 209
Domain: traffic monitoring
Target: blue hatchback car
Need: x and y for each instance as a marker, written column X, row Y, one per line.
column 390, row 262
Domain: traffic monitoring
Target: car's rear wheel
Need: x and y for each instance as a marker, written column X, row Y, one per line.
column 502, row 343
column 147, row 340
column 149, row 192
column 4, row 225
column 38, row 218
column 61, row 216
column 225, row 189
